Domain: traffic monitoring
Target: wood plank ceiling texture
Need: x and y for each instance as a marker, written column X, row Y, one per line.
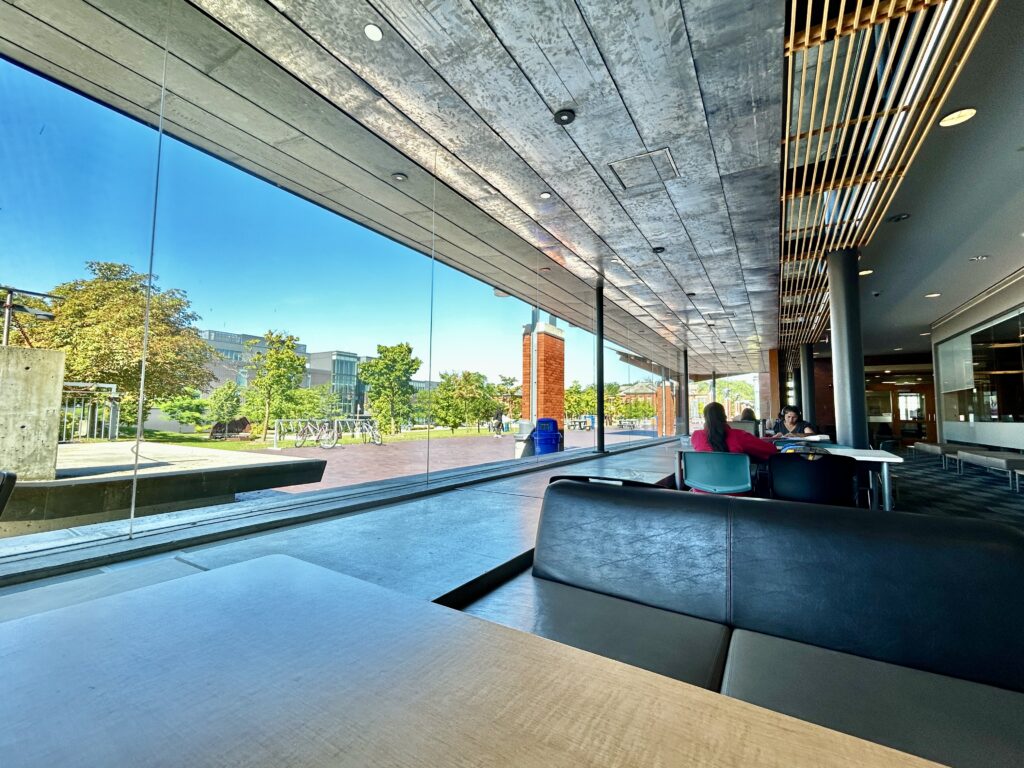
column 865, row 82
column 675, row 145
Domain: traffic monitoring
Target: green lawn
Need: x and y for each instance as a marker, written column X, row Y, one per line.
column 200, row 439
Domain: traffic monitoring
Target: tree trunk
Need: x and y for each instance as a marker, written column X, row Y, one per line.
column 266, row 420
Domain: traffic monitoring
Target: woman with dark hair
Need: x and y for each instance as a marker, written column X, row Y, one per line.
column 717, row 435
column 747, row 414
column 791, row 422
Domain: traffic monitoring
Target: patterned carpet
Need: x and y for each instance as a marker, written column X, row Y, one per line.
column 922, row 485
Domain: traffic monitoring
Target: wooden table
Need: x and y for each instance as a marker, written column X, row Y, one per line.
column 276, row 662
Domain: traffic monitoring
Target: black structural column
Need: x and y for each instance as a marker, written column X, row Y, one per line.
column 847, row 349
column 807, row 404
column 683, row 398
column 798, row 395
column 714, row 386
column 599, row 338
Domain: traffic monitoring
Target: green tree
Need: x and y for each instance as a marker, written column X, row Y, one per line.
column 575, row 401
column 317, row 402
column 389, row 385
column 99, row 326
column 224, row 403
column 276, row 372
column 447, row 406
column 508, row 391
column 187, row 408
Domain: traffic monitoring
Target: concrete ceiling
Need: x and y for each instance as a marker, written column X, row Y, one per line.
column 965, row 194
column 675, row 143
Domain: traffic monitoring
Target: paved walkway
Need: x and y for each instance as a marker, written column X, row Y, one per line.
column 351, row 464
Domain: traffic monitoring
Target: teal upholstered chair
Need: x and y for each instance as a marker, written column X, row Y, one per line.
column 716, row 472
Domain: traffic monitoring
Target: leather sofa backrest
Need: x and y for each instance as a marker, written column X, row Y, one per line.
column 635, row 544
column 940, row 594
column 944, row 595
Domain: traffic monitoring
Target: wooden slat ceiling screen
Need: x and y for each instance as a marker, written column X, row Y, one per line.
column 864, row 84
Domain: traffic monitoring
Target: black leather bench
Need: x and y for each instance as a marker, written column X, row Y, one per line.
column 903, row 629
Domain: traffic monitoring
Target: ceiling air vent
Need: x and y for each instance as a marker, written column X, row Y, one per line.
column 640, row 170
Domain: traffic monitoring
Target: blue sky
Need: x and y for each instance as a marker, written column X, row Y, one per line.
column 77, row 184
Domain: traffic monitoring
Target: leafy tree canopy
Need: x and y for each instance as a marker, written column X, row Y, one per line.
column 277, row 371
column 187, row 408
column 389, row 385
column 99, row 325
column 224, row 403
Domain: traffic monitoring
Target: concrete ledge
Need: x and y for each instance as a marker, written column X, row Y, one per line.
column 44, row 504
column 44, row 555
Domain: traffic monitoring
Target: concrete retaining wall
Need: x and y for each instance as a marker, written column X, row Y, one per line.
column 31, row 382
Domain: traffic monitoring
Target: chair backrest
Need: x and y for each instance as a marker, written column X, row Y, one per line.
column 746, row 426
column 714, row 472
column 814, row 478
column 7, row 481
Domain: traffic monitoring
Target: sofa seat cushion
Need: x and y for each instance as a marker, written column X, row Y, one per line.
column 951, row 721
column 671, row 644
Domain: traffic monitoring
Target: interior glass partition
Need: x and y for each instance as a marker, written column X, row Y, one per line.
column 982, row 383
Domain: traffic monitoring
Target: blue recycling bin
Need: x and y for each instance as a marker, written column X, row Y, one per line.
column 546, row 436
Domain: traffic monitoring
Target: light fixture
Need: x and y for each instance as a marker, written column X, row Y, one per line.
column 897, row 349
column 866, row 272
column 373, row 32
column 932, row 295
column 399, row 176
column 545, row 269
column 564, row 116
column 960, row 116
column 980, row 257
column 886, row 371
column 658, row 249
column 691, row 294
column 545, row 195
column 927, row 333
column 897, row 218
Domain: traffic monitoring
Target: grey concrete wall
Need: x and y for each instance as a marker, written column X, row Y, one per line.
column 31, row 381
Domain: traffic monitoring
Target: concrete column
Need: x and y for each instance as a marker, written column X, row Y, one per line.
column 807, row 403
column 599, row 340
column 847, row 349
column 30, row 411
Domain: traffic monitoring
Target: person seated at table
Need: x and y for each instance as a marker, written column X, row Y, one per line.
column 747, row 414
column 717, row 435
column 791, row 423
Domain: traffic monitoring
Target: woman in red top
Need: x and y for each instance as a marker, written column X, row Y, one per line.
column 717, row 435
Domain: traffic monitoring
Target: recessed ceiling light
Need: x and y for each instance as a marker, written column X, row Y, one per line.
column 932, row 295
column 897, row 218
column 960, row 116
column 866, row 272
column 886, row 371
column 545, row 195
column 980, row 257
column 373, row 32
column 897, row 349
column 691, row 294
column 658, row 249
column 927, row 333
column 919, row 378
column 545, row 269
column 564, row 116
column 399, row 176
column 723, row 342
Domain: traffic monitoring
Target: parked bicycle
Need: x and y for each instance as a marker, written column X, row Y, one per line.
column 323, row 433
column 368, row 429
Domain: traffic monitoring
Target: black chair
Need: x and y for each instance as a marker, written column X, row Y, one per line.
column 814, row 478
column 7, row 481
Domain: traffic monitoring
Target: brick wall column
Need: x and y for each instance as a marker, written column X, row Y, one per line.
column 550, row 342
column 665, row 408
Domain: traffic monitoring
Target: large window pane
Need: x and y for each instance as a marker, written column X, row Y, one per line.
column 77, row 201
